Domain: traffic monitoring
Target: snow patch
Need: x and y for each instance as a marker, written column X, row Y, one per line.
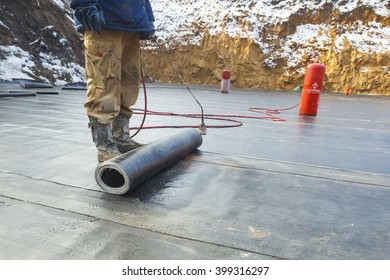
column 180, row 19
column 17, row 63
column 60, row 69
column 59, row 3
column 371, row 39
column 3, row 24
column 179, row 22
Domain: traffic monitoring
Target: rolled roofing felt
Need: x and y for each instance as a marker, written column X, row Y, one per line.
column 13, row 93
column 48, row 92
column 123, row 173
column 27, row 84
column 76, row 84
column 73, row 88
column 18, row 80
column 37, row 92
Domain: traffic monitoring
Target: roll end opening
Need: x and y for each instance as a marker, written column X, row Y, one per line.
column 112, row 178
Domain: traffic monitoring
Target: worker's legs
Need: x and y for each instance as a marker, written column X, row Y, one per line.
column 103, row 72
column 113, row 79
column 130, row 73
column 103, row 54
column 130, row 85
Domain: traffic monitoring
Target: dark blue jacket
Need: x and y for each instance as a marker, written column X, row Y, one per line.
column 124, row 15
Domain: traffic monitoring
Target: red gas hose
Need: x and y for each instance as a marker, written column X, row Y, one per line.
column 269, row 114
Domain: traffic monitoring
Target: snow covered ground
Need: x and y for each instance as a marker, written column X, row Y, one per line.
column 18, row 63
column 178, row 21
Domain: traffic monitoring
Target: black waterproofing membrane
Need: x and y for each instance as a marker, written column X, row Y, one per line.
column 309, row 187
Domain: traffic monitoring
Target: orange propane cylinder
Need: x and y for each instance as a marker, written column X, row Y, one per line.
column 312, row 88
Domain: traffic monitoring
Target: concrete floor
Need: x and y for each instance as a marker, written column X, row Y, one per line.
column 307, row 188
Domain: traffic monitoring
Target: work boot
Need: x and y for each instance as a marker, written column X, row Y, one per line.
column 102, row 136
column 121, row 134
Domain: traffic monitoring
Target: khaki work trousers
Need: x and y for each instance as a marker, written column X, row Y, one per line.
column 112, row 60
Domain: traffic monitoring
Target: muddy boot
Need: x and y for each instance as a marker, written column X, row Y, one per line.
column 102, row 136
column 121, row 133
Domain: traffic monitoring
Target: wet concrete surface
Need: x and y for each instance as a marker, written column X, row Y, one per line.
column 307, row 188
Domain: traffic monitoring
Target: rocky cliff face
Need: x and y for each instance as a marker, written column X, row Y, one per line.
column 350, row 37
column 38, row 41
column 266, row 44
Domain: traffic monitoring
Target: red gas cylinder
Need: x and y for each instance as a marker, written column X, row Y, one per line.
column 225, row 84
column 312, row 88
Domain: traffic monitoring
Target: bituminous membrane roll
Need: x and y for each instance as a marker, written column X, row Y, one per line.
column 121, row 174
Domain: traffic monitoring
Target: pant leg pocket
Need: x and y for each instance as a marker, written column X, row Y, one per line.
column 98, row 62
